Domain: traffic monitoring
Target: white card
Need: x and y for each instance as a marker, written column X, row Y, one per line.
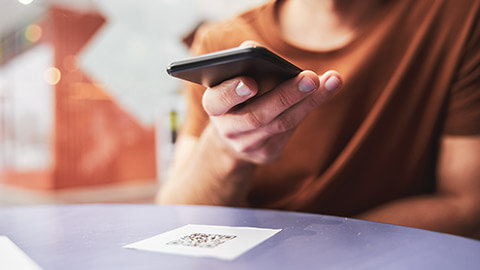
column 222, row 242
column 12, row 257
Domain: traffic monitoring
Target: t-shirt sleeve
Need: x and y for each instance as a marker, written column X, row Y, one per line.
column 463, row 111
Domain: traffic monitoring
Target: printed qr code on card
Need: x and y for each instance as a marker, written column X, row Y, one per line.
column 202, row 240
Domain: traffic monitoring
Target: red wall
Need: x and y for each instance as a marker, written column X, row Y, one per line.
column 95, row 141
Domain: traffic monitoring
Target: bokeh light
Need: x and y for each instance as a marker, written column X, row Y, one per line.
column 33, row 33
column 52, row 75
column 25, row 2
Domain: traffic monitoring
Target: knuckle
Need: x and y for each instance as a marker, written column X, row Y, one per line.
column 225, row 98
column 240, row 147
column 252, row 120
column 284, row 123
column 283, row 100
column 235, row 146
column 225, row 134
column 264, row 156
column 220, row 127
column 315, row 101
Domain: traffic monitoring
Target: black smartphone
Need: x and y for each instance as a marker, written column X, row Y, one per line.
column 265, row 67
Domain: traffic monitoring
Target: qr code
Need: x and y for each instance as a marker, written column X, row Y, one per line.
column 202, row 240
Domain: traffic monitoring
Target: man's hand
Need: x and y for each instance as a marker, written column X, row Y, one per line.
column 245, row 129
column 257, row 128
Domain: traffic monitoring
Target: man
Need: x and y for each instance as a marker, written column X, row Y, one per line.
column 391, row 133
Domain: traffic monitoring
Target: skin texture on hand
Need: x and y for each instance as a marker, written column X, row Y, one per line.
column 258, row 130
column 244, row 130
column 215, row 168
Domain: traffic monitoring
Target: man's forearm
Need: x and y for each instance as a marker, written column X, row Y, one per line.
column 443, row 213
column 211, row 175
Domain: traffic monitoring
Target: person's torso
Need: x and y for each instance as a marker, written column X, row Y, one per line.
column 376, row 140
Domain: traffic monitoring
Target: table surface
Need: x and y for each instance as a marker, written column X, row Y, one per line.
column 92, row 236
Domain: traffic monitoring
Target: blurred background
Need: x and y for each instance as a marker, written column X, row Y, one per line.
column 87, row 111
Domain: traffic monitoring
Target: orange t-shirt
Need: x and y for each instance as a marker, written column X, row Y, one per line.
column 411, row 76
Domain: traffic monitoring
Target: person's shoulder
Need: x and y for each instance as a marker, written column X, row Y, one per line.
column 251, row 16
column 214, row 36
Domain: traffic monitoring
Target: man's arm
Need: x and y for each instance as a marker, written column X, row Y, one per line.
column 204, row 171
column 455, row 206
column 216, row 168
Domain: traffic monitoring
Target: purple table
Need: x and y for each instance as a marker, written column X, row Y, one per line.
column 92, row 236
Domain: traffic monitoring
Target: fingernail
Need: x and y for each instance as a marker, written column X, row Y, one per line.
column 306, row 84
column 242, row 89
column 332, row 83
